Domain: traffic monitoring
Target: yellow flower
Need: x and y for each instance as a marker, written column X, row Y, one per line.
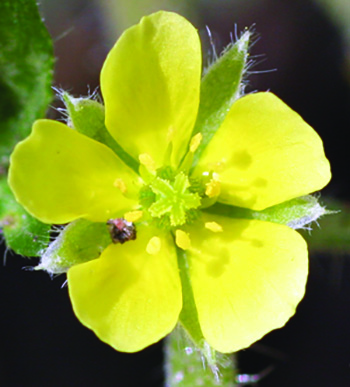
column 247, row 276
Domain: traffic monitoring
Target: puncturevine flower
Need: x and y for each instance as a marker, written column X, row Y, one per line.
column 247, row 276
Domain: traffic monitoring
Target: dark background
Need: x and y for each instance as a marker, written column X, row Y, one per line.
column 43, row 344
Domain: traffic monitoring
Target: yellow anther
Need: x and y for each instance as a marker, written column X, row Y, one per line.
column 195, row 141
column 133, row 216
column 153, row 246
column 146, row 160
column 213, row 226
column 213, row 188
column 119, row 183
column 182, row 239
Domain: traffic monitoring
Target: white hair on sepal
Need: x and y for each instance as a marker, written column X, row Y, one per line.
column 63, row 35
column 212, row 54
column 63, row 111
column 94, row 95
column 36, row 237
column 6, row 252
column 254, row 60
column 249, row 34
column 312, row 216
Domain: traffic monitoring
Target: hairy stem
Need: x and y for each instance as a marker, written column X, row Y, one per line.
column 185, row 365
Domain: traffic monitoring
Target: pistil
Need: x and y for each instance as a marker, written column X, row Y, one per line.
column 173, row 199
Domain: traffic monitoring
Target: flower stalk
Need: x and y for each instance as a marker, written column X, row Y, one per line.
column 186, row 367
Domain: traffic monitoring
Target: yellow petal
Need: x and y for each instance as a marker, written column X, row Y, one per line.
column 265, row 154
column 60, row 175
column 129, row 298
column 150, row 84
column 133, row 216
column 146, row 160
column 247, row 280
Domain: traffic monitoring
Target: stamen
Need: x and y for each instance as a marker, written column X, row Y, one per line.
column 146, row 160
column 213, row 188
column 182, row 239
column 119, row 183
column 195, row 141
column 153, row 246
column 133, row 216
column 213, row 226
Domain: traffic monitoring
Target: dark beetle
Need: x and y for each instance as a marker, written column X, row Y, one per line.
column 121, row 230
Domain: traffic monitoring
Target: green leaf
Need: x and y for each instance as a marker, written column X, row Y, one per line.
column 87, row 116
column 23, row 233
column 296, row 213
column 81, row 241
column 220, row 87
column 26, row 67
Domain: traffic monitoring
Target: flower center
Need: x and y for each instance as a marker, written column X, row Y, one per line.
column 170, row 197
column 173, row 199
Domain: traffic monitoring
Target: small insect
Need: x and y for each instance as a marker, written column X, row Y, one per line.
column 121, row 230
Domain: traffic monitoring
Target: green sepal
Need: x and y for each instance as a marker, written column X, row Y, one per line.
column 26, row 69
column 187, row 349
column 188, row 318
column 220, row 87
column 87, row 116
column 333, row 235
column 80, row 241
column 296, row 213
column 23, row 234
